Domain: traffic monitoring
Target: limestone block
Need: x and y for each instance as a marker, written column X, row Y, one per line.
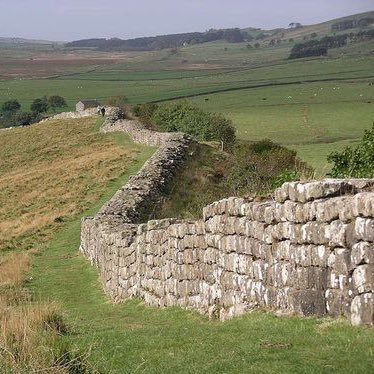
column 279, row 213
column 228, row 281
column 363, row 278
column 342, row 263
column 363, row 204
column 268, row 235
column 315, row 233
column 339, row 281
column 308, row 302
column 200, row 227
column 261, row 210
column 362, row 310
column 285, row 277
column 245, row 209
column 338, row 302
column 328, row 210
column 281, row 193
column 282, row 230
column 239, row 225
column 301, row 254
column 362, row 253
column 259, row 270
column 338, row 232
column 364, row 229
column 213, row 240
column 301, row 278
column 234, row 206
column 281, row 250
column 190, row 256
column 320, row 255
column 295, row 233
column 318, row 278
column 291, row 211
column 210, row 255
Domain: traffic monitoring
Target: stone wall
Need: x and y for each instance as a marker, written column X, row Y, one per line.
column 309, row 250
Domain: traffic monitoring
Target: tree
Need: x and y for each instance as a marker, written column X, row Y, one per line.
column 187, row 118
column 10, row 107
column 257, row 45
column 39, row 105
column 56, row 102
column 357, row 162
column 295, row 25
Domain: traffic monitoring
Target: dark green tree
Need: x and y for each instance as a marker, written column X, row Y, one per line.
column 55, row 102
column 10, row 107
column 39, row 105
column 357, row 162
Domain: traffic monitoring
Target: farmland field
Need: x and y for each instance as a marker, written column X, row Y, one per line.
column 314, row 106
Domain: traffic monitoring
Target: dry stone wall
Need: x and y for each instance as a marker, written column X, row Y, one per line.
column 309, row 250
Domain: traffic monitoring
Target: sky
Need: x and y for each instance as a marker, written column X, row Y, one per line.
column 67, row 20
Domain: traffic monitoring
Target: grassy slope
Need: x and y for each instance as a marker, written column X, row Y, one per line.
column 52, row 171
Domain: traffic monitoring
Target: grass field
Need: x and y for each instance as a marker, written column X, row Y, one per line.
column 314, row 106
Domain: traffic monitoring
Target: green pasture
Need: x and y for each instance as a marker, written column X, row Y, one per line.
column 312, row 105
column 314, row 119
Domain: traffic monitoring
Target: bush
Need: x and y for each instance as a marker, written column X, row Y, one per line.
column 10, row 107
column 56, row 102
column 262, row 166
column 145, row 112
column 187, row 118
column 39, row 106
column 355, row 162
column 118, row 101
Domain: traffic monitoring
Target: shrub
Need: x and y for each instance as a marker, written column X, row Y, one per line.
column 145, row 112
column 118, row 101
column 39, row 106
column 56, row 102
column 355, row 162
column 262, row 166
column 187, row 118
column 10, row 107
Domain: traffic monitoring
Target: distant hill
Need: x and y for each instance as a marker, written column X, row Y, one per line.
column 162, row 41
column 234, row 35
column 26, row 41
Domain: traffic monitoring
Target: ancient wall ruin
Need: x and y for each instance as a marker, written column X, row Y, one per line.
column 309, row 250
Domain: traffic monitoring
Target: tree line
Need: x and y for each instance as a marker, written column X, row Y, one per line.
column 11, row 114
column 321, row 47
column 234, row 35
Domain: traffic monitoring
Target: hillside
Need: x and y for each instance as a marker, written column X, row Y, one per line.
column 229, row 35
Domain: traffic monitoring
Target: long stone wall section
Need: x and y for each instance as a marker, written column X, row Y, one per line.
column 308, row 251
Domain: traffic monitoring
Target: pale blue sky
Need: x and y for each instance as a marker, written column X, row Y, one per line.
column 78, row 19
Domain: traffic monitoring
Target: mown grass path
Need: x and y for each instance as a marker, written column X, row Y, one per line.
column 133, row 338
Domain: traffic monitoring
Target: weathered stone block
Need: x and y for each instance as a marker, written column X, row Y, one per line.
column 363, row 204
column 362, row 310
column 363, row 278
column 308, row 302
column 362, row 253
column 320, row 255
column 338, row 302
column 364, row 229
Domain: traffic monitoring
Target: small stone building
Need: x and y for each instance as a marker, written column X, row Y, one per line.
column 86, row 104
